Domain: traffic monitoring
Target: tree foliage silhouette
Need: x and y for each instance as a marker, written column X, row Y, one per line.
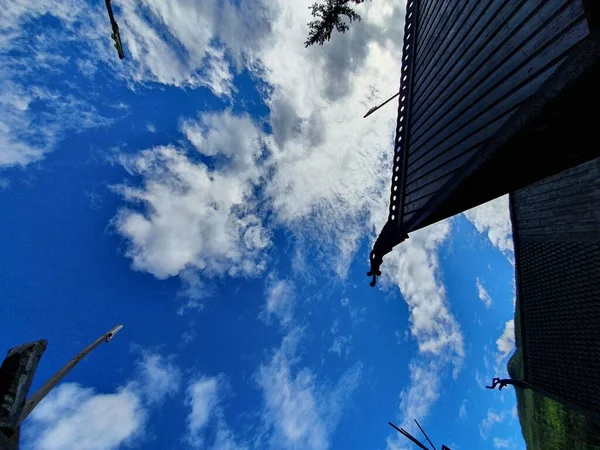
column 329, row 16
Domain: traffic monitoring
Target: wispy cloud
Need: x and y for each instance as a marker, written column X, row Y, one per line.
column 487, row 424
column 462, row 411
column 483, row 294
column 202, row 397
column 506, row 342
column 493, row 218
column 301, row 412
column 36, row 113
column 341, row 344
column 158, row 377
column 504, row 443
column 496, row 357
column 185, row 45
column 280, row 301
column 357, row 314
column 414, row 267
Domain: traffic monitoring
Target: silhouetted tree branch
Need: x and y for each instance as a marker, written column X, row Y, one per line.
column 329, row 15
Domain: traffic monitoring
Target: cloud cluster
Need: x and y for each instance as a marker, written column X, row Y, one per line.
column 326, row 164
column 323, row 172
column 157, row 377
column 330, row 163
column 320, row 173
column 195, row 216
column 299, row 411
column 76, row 417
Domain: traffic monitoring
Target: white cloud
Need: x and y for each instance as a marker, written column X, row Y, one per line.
column 493, row 218
column 280, row 299
column 175, row 44
column 335, row 326
column 158, row 377
column 194, row 217
column 187, row 337
column 234, row 139
column 186, row 56
column 357, row 315
column 462, row 411
column 323, row 191
column 76, row 417
column 330, row 164
column 414, row 267
column 506, row 342
column 203, row 398
column 341, row 344
column 224, row 440
column 25, row 135
column 34, row 114
column 480, row 379
column 489, row 422
column 503, row 443
column 299, row 412
column 194, row 290
column 495, row 358
column 484, row 295
column 424, row 390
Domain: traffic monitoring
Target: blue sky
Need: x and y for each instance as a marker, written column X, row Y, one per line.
column 217, row 192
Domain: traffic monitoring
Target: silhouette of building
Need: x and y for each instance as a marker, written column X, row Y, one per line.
column 494, row 96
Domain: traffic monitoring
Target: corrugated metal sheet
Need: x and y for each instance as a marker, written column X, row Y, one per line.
column 556, row 229
column 476, row 62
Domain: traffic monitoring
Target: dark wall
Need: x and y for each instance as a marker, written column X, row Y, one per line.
column 556, row 230
column 565, row 207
